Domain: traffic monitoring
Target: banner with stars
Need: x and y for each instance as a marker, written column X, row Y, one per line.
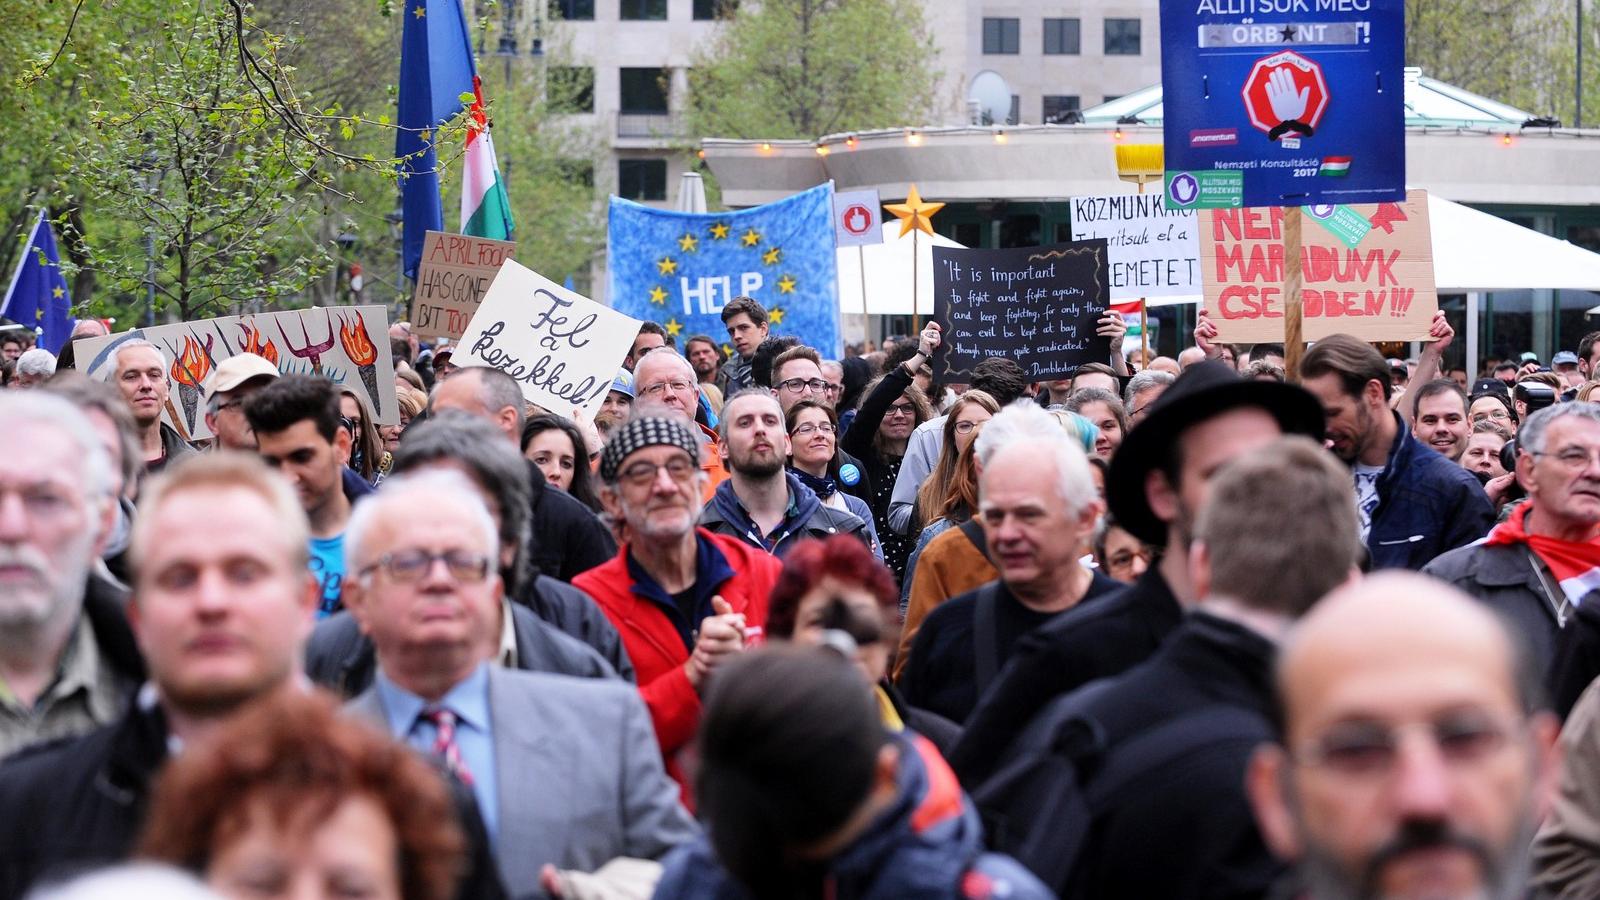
column 681, row 269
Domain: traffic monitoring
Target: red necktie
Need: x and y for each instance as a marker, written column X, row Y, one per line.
column 444, row 742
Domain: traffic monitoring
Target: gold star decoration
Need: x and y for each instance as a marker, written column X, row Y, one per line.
column 58, row 293
column 419, row 10
column 771, row 256
column 658, row 296
column 688, row 243
column 674, row 327
column 914, row 213
column 786, row 285
column 775, row 314
column 667, row 265
column 751, row 238
column 719, row 230
column 727, row 349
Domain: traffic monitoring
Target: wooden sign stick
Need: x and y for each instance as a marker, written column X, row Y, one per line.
column 1294, row 345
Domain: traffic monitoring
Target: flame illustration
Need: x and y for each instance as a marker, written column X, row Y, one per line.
column 191, row 366
column 356, row 343
column 254, row 344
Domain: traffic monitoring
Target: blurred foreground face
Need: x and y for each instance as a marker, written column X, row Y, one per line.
column 351, row 853
column 832, row 600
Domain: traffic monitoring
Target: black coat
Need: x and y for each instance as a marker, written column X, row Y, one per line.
column 568, row 539
column 342, row 659
column 1086, row 643
column 575, row 613
column 1507, row 578
column 1182, row 828
column 77, row 804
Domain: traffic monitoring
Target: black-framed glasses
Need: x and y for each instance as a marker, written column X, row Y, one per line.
column 796, row 385
column 901, row 409
column 410, row 566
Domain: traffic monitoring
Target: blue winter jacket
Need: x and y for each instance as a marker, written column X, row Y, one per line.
column 1427, row 505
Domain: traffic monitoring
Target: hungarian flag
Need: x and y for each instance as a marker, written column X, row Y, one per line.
column 1334, row 167
column 485, row 208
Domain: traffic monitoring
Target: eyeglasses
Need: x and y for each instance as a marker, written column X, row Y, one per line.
column 1496, row 413
column 811, row 428
column 1371, row 749
column 1574, row 459
column 968, row 427
column 660, row 386
column 833, row 388
column 901, row 409
column 641, row 473
column 410, row 566
column 796, row 385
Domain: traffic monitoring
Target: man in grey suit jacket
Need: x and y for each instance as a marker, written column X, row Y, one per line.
column 566, row 771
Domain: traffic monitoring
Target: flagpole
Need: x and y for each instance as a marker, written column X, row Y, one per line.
column 916, row 263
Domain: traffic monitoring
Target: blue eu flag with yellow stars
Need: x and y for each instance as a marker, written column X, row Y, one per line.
column 38, row 295
column 680, row 269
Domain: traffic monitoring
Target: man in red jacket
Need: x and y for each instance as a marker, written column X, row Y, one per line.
column 684, row 599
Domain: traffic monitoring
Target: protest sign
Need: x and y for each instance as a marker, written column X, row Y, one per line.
column 348, row 344
column 1282, row 102
column 1366, row 270
column 1152, row 251
column 1038, row 306
column 857, row 217
column 456, row 271
column 562, row 348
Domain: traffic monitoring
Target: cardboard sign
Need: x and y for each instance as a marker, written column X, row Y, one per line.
column 1153, row 250
column 456, row 271
column 562, row 348
column 348, row 344
column 1367, row 271
column 1038, row 306
column 857, row 219
column 1283, row 103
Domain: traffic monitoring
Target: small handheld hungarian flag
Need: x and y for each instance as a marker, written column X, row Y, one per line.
column 1334, row 166
column 485, row 208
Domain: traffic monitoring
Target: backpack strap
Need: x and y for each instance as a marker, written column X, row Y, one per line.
column 973, row 529
column 986, row 656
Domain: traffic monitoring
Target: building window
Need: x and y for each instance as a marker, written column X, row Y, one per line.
column 707, row 10
column 1061, row 37
column 651, row 10
column 572, row 10
column 967, row 234
column 644, row 90
column 1122, row 37
column 1015, row 115
column 642, row 179
column 571, row 89
column 1001, row 36
column 1060, row 109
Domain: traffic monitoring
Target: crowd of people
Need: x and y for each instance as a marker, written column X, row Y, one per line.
column 772, row 625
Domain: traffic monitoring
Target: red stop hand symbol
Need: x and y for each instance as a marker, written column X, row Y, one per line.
column 1284, row 93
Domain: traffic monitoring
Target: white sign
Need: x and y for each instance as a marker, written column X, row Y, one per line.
column 561, row 347
column 856, row 217
column 1153, row 251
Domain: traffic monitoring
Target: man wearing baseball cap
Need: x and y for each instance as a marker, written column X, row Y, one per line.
column 234, row 379
column 1158, row 484
column 683, row 598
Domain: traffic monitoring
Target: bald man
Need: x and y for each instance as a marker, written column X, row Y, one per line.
column 1419, row 759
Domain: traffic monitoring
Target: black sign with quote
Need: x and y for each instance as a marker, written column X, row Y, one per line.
column 1037, row 306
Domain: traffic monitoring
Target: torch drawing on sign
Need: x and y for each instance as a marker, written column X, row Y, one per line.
column 189, row 370
column 251, row 342
column 353, row 338
column 310, row 351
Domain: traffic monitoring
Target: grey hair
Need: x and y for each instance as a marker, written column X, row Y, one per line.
column 438, row 487
column 133, row 881
column 1024, row 422
column 453, row 435
column 38, row 361
column 497, row 390
column 52, row 411
column 91, row 395
column 1144, row 381
column 1530, row 438
column 116, row 355
column 662, row 352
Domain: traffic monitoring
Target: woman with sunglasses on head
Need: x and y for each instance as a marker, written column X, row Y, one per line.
column 813, row 436
column 367, row 454
column 892, row 408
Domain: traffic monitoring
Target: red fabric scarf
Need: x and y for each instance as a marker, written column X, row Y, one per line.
column 1576, row 564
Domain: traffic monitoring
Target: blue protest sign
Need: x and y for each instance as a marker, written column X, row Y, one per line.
column 1282, row 102
column 681, row 269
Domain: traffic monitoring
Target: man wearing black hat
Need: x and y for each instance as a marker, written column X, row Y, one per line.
column 1159, row 482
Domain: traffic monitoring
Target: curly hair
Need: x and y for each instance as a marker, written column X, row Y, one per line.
column 294, row 754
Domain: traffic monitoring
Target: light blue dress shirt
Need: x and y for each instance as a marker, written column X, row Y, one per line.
column 469, row 700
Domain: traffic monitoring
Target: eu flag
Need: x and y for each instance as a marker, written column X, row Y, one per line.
column 436, row 68
column 680, row 269
column 38, row 296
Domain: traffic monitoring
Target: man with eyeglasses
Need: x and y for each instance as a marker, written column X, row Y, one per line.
column 665, row 384
column 230, row 384
column 1416, row 758
column 797, row 375
column 763, row 504
column 683, row 598
column 565, row 771
column 1543, row 562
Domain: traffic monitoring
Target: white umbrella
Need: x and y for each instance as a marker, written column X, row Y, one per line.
column 691, row 193
column 887, row 284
